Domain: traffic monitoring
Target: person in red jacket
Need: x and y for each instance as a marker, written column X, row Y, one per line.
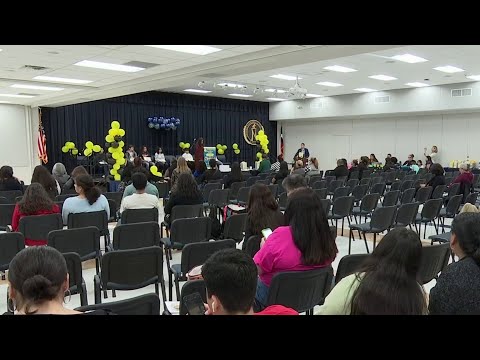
column 465, row 179
column 35, row 201
column 198, row 153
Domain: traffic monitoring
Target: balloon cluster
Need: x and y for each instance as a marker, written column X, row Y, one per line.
column 161, row 123
column 154, row 171
column 90, row 148
column 184, row 145
column 236, row 150
column 70, row 147
column 263, row 143
column 221, row 149
column 115, row 155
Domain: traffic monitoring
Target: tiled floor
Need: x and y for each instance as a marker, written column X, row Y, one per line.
column 358, row 247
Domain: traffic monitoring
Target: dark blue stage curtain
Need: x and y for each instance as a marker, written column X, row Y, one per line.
column 218, row 120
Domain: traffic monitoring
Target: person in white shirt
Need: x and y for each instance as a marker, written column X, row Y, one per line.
column 187, row 156
column 434, row 155
column 160, row 161
column 140, row 199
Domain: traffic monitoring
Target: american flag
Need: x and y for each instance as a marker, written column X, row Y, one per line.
column 42, row 140
column 281, row 141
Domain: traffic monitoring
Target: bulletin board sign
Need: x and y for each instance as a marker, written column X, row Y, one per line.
column 209, row 153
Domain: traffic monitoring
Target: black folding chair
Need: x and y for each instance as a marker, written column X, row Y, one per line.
column 395, row 185
column 136, row 235
column 406, row 184
column 37, row 227
column 406, row 215
column 407, row 196
column 334, row 185
column 252, row 180
column 234, row 188
column 367, row 205
column 208, row 188
column 190, row 287
column 235, row 227
column 453, row 190
column 423, row 194
column 273, row 189
column 132, row 216
column 10, row 195
column 434, row 260
column 300, row 290
column 83, row 241
column 322, row 193
column 252, row 245
column 242, row 196
column 10, row 244
column 6, row 214
column 391, row 198
column 115, row 196
column 326, row 205
column 452, row 209
column 4, row 200
column 282, row 201
column 320, row 184
column 342, row 208
column 359, row 192
column 76, row 282
column 438, row 192
column 471, row 198
column 431, row 210
column 182, row 212
column 378, row 188
column 340, row 192
column 218, row 199
column 96, row 218
column 352, row 183
column 148, row 304
column 349, row 264
column 113, row 210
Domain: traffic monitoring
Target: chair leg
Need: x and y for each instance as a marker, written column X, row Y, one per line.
column 83, row 296
column 97, row 265
column 164, row 293
column 366, row 245
column 177, row 287
column 425, row 230
column 97, row 291
column 170, row 285
column 343, row 223
column 374, row 240
column 156, row 289
column 350, row 241
column 114, row 293
column 336, row 223
column 436, row 228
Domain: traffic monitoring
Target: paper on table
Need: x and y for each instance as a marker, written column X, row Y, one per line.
column 173, row 307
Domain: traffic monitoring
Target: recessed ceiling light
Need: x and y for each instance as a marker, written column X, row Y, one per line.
column 285, row 77
column 448, row 69
column 409, row 58
column 276, row 99
column 314, row 95
column 36, row 87
column 62, row 80
column 279, row 91
column 383, row 77
column 198, row 91
column 241, row 95
column 17, row 96
column 365, row 89
column 232, row 85
column 339, row 68
column 1, row 49
column 328, row 83
column 108, row 66
column 474, row 77
column 417, row 84
column 190, row 49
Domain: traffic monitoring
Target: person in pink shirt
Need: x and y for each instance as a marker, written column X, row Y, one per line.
column 305, row 244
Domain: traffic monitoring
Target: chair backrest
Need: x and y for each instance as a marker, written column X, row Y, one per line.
column 83, row 241
column 319, row 184
column 329, row 178
column 147, row 304
column 243, row 194
column 186, row 211
column 354, row 175
column 341, row 191
column 395, row 185
column 343, row 206
column 190, row 230
column 322, row 193
column 253, row 245
column 10, row 244
column 234, row 187
column 234, row 227
column 252, row 180
column 300, row 290
column 407, row 213
column 4, row 200
column 391, row 198
column 382, row 218
column 312, row 179
column 95, row 218
column 349, row 264
column 335, row 184
column 407, row 196
column 190, row 287
column 37, row 227
column 365, row 181
column 208, row 188
column 352, row 183
column 17, row 199
column 342, row 178
column 6, row 214
column 434, row 260
column 112, row 204
column 359, row 191
column 471, row 198
column 218, row 197
column 423, row 194
column 195, row 254
column 453, row 190
column 74, row 267
column 406, row 184
column 431, row 208
column 369, row 202
column 366, row 173
column 64, row 197
column 390, row 177
column 282, row 200
column 378, row 188
column 273, row 189
column 453, row 205
column 10, row 195
column 132, row 269
column 438, row 192
column 131, row 216
column 137, row 235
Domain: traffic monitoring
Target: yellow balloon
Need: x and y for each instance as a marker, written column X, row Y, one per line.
column 259, row 154
column 121, row 161
column 109, row 138
column 267, row 151
column 88, row 152
column 97, row 148
column 89, row 145
column 117, row 177
column 187, row 145
column 112, row 132
column 219, row 146
column 153, row 169
column 121, row 144
column 111, row 150
column 65, row 149
column 115, row 155
column 237, row 151
column 224, row 147
column 115, row 124
column 182, row 144
column 261, row 132
column 121, row 154
column 121, row 132
column 116, row 166
column 235, row 146
column 221, row 151
column 113, row 172
column 75, row 151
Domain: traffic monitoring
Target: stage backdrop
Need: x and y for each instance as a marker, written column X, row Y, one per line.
column 218, row 120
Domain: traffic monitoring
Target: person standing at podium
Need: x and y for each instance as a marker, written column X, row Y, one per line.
column 198, row 153
column 302, row 154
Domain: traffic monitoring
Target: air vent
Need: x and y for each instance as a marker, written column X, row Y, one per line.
column 461, row 92
column 141, row 64
column 33, row 67
column 382, row 99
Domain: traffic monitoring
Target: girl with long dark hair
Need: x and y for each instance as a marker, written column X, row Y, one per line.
column 281, row 174
column 233, row 176
column 44, row 178
column 8, row 182
column 184, row 192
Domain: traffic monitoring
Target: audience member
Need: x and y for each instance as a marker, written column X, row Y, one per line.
column 294, row 182
column 211, row 174
column 70, row 184
column 233, row 176
column 230, row 277
column 341, row 169
column 281, row 174
column 44, row 178
column 201, row 168
column 184, row 192
column 438, row 178
column 89, row 199
column 199, row 152
column 276, row 165
column 420, row 164
column 35, row 201
column 305, row 244
column 386, row 283
column 140, row 199
column 60, row 174
column 373, row 159
column 428, row 163
column 410, row 160
column 312, row 168
column 469, row 208
column 465, row 179
column 181, row 168
column 433, row 154
column 353, row 165
column 7, row 181
column 457, row 290
column 263, row 212
column 298, row 168
column 363, row 165
column 265, row 164
column 149, row 189
column 169, row 173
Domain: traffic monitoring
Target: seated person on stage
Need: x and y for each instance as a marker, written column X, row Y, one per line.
column 140, row 199
column 160, row 161
column 410, row 160
column 281, row 174
column 233, row 176
column 186, row 155
column 130, row 154
column 302, row 153
column 89, row 199
column 184, row 192
column 276, row 165
column 147, row 159
column 230, row 277
column 341, row 169
column 265, row 164
column 8, row 181
column 211, row 174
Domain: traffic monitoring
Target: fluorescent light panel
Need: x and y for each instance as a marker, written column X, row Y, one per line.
column 36, row 87
column 328, row 83
column 17, row 96
column 314, row 95
column 279, row 91
column 108, row 66
column 276, row 99
column 198, row 91
column 409, row 58
column 383, row 77
column 241, row 95
column 448, row 69
column 474, row 77
column 232, row 85
column 190, row 49
column 365, row 89
column 417, row 84
column 339, row 68
column 285, row 77
column 62, row 80
column 5, row 102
